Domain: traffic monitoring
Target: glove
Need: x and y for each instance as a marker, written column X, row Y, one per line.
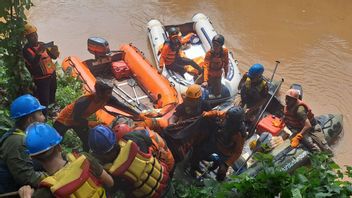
column 252, row 145
column 296, row 140
column 206, row 114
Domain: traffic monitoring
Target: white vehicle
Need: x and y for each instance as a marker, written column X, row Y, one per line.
column 196, row 50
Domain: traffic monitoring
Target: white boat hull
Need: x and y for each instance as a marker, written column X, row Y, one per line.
column 205, row 32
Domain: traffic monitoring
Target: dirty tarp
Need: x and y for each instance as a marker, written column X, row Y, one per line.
column 183, row 136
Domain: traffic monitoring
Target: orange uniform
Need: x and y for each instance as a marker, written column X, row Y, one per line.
column 170, row 51
column 66, row 116
column 233, row 152
column 215, row 63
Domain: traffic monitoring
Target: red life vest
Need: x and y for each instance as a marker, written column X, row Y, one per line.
column 291, row 118
column 46, row 65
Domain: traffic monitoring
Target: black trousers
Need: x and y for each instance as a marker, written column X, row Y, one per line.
column 81, row 131
column 179, row 64
column 46, row 90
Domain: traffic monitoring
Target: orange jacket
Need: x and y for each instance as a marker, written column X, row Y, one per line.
column 168, row 55
column 66, row 116
column 233, row 152
column 215, row 113
column 213, row 64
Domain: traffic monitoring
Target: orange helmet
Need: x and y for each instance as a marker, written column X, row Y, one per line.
column 294, row 93
column 29, row 29
column 194, row 91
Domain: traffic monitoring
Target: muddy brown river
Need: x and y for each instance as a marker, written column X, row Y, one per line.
column 312, row 39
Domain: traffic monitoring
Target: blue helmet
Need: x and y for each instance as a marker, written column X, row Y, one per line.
column 41, row 137
column 24, row 105
column 255, row 70
column 101, row 139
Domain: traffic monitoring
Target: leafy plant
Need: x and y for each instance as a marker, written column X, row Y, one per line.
column 323, row 178
column 69, row 88
column 15, row 79
column 182, row 189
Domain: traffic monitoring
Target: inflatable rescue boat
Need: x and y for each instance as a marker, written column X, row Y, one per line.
column 284, row 155
column 136, row 82
column 199, row 44
column 272, row 125
column 288, row 158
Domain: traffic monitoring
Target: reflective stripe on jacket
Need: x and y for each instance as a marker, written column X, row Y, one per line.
column 250, row 94
column 44, row 68
column 74, row 180
column 148, row 176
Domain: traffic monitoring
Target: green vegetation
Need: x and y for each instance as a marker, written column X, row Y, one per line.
column 68, row 88
column 324, row 178
column 14, row 78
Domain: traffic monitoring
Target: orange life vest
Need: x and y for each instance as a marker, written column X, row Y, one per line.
column 47, row 66
column 169, row 53
column 66, row 115
column 291, row 116
column 215, row 63
column 74, row 180
column 148, row 176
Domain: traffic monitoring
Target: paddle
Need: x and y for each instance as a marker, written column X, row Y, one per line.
column 272, row 76
column 9, row 194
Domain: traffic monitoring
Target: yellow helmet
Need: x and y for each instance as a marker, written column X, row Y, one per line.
column 194, row 91
column 29, row 29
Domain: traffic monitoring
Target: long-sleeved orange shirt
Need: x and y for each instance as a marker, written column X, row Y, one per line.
column 213, row 64
column 233, row 152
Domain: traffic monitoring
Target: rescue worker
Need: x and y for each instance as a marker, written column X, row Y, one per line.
column 16, row 167
column 134, row 169
column 254, row 91
column 75, row 114
column 38, row 58
column 159, row 149
column 299, row 118
column 193, row 105
column 170, row 53
column 226, row 139
column 72, row 176
column 216, row 63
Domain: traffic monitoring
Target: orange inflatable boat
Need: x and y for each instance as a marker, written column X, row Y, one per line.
column 136, row 83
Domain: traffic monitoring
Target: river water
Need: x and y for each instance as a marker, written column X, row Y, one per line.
column 312, row 39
